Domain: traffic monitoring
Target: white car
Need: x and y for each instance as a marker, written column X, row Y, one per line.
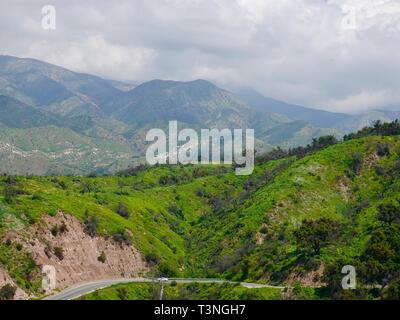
column 162, row 279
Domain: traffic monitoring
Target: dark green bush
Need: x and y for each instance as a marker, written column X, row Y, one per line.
column 102, row 257
column 7, row 292
column 123, row 211
column 152, row 259
column 312, row 236
column 122, row 238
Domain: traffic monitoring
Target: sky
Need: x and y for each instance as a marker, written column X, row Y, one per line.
column 338, row 55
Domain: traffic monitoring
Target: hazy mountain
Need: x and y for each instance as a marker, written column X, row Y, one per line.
column 319, row 118
column 42, row 84
column 16, row 114
column 61, row 121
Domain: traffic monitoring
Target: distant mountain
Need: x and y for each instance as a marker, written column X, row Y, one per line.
column 319, row 118
column 44, row 85
column 16, row 114
column 196, row 102
column 57, row 121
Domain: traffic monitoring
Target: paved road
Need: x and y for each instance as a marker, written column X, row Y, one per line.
column 80, row 290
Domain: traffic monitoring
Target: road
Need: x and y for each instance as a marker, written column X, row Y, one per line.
column 83, row 289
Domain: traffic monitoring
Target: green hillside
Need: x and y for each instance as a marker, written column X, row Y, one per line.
column 297, row 220
column 195, row 291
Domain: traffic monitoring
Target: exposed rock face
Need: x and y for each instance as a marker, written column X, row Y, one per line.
column 75, row 255
column 6, row 279
column 312, row 278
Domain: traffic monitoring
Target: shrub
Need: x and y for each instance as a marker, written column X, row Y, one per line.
column 59, row 253
column 169, row 180
column 89, row 187
column 164, row 270
column 48, row 249
column 217, row 204
column 152, row 259
column 394, row 290
column 10, row 194
column 383, row 150
column 122, row 238
column 57, row 230
column 379, row 170
column 122, row 293
column 202, row 193
column 62, row 184
column 356, row 162
column 7, row 292
column 389, row 213
column 90, row 226
column 37, row 196
column 176, row 211
column 123, row 211
column 102, row 257
column 63, row 228
column 54, row 231
column 264, row 230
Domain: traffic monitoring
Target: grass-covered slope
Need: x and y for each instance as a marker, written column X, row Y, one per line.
column 195, row 291
column 295, row 220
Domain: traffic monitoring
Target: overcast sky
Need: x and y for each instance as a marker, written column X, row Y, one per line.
column 338, row 55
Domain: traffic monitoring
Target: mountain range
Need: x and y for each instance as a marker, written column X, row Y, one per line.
column 56, row 121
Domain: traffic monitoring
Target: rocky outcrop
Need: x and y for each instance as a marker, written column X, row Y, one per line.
column 61, row 242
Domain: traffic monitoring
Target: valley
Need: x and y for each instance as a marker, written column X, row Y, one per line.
column 295, row 222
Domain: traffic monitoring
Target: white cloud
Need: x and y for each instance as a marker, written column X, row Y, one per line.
column 363, row 100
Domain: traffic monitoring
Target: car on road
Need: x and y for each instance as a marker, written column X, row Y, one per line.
column 162, row 279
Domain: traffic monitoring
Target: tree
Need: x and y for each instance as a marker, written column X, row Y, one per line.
column 389, row 213
column 7, row 292
column 312, row 236
column 394, row 290
column 323, row 142
column 381, row 258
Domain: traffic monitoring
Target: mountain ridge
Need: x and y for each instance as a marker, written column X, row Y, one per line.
column 43, row 96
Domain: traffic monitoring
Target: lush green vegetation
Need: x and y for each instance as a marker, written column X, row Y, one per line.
column 195, row 291
column 316, row 208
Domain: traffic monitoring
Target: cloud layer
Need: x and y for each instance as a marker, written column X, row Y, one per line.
column 334, row 54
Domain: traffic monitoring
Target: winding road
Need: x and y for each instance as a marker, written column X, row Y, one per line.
column 83, row 289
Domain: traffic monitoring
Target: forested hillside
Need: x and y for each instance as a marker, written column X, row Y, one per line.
column 297, row 220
